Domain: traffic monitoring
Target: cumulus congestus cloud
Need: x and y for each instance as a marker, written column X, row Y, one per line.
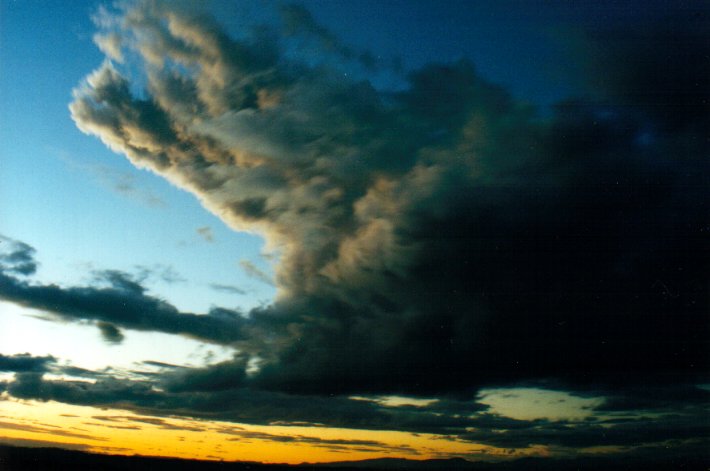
column 431, row 239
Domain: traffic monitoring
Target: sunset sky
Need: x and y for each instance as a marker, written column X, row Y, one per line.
column 339, row 230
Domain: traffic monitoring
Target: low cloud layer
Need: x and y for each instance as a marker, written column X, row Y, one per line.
column 25, row 362
column 330, row 444
column 121, row 303
column 432, row 241
column 682, row 422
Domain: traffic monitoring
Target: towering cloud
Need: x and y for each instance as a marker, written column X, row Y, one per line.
column 432, row 240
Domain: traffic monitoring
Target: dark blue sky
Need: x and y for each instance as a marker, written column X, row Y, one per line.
column 534, row 48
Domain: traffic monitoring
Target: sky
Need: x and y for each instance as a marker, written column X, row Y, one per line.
column 330, row 230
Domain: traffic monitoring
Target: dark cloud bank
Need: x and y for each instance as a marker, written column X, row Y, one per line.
column 432, row 241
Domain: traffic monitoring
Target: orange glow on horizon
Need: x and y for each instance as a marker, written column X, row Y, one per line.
column 114, row 431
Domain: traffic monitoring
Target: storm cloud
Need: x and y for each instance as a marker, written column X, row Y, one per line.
column 432, row 240
column 436, row 238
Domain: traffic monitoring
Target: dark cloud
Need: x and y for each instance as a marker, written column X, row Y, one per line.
column 464, row 421
column 110, row 333
column 118, row 427
column 123, row 303
column 24, row 362
column 432, row 241
column 222, row 376
column 103, row 391
column 160, row 364
column 157, row 421
column 120, row 281
column 238, row 405
column 653, row 397
column 332, row 444
column 78, row 372
column 47, row 430
column 107, row 418
column 235, row 404
column 17, row 257
column 27, row 363
column 438, row 238
column 631, row 433
column 142, row 274
column 658, row 68
column 43, row 443
column 227, row 288
column 167, row 425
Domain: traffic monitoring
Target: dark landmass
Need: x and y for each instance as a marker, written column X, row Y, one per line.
column 14, row 458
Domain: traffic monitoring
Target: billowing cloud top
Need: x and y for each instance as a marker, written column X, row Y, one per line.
column 435, row 239
column 438, row 238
